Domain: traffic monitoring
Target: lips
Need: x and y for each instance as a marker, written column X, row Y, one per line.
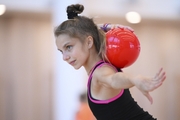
column 72, row 62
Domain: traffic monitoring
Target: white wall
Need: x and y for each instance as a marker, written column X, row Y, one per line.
column 167, row 9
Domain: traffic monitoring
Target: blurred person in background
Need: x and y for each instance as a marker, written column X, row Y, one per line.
column 84, row 112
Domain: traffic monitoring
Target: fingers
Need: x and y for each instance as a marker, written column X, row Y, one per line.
column 106, row 27
column 120, row 26
column 157, row 74
column 125, row 27
column 160, row 75
column 157, row 82
column 149, row 97
column 157, row 85
column 129, row 28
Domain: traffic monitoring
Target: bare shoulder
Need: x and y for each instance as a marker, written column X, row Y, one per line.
column 105, row 69
column 103, row 73
column 101, row 87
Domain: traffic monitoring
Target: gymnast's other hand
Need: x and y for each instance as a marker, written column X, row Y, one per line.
column 148, row 84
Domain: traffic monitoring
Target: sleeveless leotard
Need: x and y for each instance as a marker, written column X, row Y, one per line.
column 120, row 107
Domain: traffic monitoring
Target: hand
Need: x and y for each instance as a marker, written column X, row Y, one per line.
column 146, row 84
column 106, row 27
column 125, row 27
column 121, row 26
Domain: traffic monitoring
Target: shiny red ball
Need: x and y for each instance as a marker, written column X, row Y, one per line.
column 123, row 47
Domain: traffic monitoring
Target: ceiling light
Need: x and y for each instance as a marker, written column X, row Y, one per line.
column 2, row 9
column 133, row 17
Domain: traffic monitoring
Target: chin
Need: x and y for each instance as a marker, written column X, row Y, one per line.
column 77, row 67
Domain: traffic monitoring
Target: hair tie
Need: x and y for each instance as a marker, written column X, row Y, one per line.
column 71, row 15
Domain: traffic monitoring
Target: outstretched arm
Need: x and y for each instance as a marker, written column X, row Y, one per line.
column 120, row 80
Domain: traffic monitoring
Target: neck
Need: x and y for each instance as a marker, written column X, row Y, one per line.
column 91, row 63
column 93, row 67
column 92, row 59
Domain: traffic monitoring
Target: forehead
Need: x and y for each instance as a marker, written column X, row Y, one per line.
column 64, row 39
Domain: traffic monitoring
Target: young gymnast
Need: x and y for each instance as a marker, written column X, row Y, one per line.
column 82, row 43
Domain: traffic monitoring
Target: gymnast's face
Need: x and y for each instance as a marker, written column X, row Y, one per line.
column 74, row 51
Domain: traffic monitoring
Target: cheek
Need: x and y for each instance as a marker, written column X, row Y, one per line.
column 82, row 52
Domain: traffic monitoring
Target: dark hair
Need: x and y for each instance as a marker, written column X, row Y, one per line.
column 81, row 27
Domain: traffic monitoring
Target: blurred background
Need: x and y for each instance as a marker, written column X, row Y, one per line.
column 35, row 84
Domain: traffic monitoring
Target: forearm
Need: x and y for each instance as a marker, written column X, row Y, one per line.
column 122, row 80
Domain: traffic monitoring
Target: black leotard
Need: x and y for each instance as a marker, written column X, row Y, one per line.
column 121, row 107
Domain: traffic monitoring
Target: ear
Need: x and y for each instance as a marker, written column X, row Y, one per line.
column 89, row 41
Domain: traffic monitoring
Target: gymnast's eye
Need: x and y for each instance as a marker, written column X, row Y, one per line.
column 69, row 47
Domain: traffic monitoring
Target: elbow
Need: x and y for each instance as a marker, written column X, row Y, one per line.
column 115, row 83
column 115, row 86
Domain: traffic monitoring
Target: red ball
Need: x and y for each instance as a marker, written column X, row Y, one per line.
column 123, row 47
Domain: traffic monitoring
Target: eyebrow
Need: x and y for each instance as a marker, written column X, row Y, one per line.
column 64, row 46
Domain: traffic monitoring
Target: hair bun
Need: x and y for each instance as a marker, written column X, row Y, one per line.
column 74, row 10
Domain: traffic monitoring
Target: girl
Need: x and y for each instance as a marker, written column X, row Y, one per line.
column 83, row 44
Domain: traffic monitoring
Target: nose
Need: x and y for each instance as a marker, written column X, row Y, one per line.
column 66, row 57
